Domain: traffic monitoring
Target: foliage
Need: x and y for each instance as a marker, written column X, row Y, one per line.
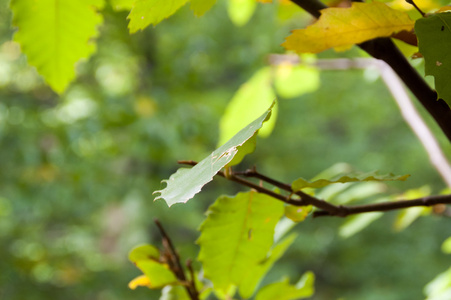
column 241, row 238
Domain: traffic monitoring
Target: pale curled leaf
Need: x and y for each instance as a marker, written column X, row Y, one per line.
column 236, row 238
column 55, row 35
column 341, row 27
column 302, row 183
column 434, row 42
column 185, row 183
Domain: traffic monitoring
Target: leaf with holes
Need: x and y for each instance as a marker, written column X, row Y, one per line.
column 342, row 27
column 236, row 238
column 55, row 35
column 434, row 42
column 186, row 183
column 302, row 183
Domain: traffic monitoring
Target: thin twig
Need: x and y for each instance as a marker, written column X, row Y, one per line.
column 416, row 7
column 175, row 264
column 328, row 209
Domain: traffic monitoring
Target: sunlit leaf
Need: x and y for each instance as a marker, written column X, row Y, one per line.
column 250, row 101
column 354, row 224
column 159, row 274
column 200, row 7
column 240, row 11
column 434, row 42
column 283, row 290
column 297, row 213
column 301, row 183
column 446, row 246
column 143, row 252
column 55, row 35
column 440, row 287
column 236, row 237
column 341, row 27
column 293, row 81
column 185, row 183
column 250, row 282
column 407, row 216
column 147, row 12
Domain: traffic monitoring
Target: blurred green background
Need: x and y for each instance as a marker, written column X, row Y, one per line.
column 78, row 170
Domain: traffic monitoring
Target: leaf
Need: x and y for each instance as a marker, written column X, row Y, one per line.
column 200, row 7
column 354, row 224
column 55, row 35
column 341, row 27
column 250, row 101
column 301, row 183
column 250, row 282
column 297, row 213
column 147, row 12
column 440, row 287
column 283, row 290
column 185, row 183
column 141, row 280
column 434, row 42
column 159, row 274
column 446, row 246
column 236, row 237
column 143, row 252
column 407, row 216
column 293, row 81
column 240, row 11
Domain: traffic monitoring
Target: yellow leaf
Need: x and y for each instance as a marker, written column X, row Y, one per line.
column 142, row 280
column 340, row 27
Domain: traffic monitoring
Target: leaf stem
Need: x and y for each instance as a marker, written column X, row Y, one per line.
column 416, row 7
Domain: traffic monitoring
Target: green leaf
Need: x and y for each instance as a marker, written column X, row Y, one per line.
column 249, row 102
column 434, row 42
column 301, row 183
column 354, row 224
column 143, row 252
column 292, row 81
column 174, row 293
column 200, row 7
column 147, row 12
column 159, row 274
column 241, row 11
column 297, row 213
column 283, row 290
column 236, row 238
column 55, row 35
column 250, row 282
column 185, row 183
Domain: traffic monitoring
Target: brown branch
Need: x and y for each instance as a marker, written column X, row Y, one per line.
column 327, row 209
column 384, row 49
column 175, row 265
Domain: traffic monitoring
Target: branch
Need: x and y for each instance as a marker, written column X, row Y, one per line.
column 175, row 265
column 384, row 49
column 326, row 208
